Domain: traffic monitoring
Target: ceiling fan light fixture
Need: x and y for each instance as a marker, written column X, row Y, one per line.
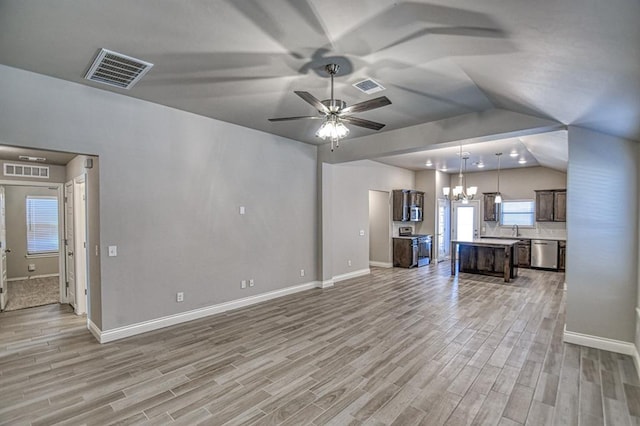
column 333, row 129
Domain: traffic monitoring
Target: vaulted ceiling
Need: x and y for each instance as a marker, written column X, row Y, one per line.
column 570, row 61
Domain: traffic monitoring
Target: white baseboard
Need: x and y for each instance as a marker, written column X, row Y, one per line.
column 604, row 344
column 353, row 274
column 380, row 264
column 155, row 324
column 31, row 277
column 94, row 330
column 326, row 284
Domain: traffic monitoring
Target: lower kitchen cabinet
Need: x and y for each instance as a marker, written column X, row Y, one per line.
column 562, row 254
column 524, row 254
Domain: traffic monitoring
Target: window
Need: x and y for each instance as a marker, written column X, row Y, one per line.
column 517, row 212
column 42, row 225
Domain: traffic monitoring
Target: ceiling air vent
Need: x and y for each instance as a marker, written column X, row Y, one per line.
column 368, row 86
column 117, row 70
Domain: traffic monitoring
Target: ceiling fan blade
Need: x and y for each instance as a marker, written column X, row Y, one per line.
column 363, row 123
column 307, row 117
column 366, row 105
column 315, row 102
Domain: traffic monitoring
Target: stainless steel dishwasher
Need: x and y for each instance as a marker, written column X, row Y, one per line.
column 544, row 254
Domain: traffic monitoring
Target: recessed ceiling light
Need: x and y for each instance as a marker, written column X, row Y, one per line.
column 522, row 161
column 513, row 154
column 428, row 163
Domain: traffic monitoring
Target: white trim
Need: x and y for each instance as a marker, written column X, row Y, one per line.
column 326, row 284
column 94, row 330
column 381, row 264
column 636, row 355
column 32, row 277
column 353, row 274
column 155, row 324
column 604, row 344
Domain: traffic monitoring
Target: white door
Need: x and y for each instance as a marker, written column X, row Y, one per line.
column 3, row 253
column 69, row 244
column 466, row 220
column 443, row 231
column 80, row 255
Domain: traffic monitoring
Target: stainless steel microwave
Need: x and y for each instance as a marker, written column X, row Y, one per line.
column 415, row 214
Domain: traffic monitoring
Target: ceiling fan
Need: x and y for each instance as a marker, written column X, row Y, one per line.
column 335, row 112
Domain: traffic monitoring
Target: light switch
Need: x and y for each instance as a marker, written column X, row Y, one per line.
column 241, row 209
column 113, row 251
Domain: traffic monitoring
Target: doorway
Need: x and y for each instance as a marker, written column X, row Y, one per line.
column 31, row 261
column 466, row 220
column 380, row 229
column 443, row 226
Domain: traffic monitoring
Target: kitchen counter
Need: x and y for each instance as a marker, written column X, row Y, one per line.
column 537, row 237
column 486, row 256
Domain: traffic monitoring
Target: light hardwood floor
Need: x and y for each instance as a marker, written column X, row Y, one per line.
column 400, row 347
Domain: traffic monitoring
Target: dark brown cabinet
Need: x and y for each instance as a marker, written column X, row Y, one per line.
column 560, row 206
column 551, row 205
column 524, row 254
column 490, row 208
column 562, row 254
column 407, row 205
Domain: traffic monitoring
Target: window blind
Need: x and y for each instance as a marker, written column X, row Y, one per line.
column 521, row 213
column 42, row 225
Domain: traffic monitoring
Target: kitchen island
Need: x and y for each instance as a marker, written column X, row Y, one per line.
column 487, row 256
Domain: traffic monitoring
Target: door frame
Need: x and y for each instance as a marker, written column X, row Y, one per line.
column 83, row 219
column 454, row 206
column 60, row 192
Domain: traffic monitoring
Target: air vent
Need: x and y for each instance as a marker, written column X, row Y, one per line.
column 117, row 70
column 368, row 86
column 23, row 170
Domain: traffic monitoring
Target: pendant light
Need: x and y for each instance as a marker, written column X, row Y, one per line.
column 498, row 198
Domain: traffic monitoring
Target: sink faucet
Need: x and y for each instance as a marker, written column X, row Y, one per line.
column 516, row 230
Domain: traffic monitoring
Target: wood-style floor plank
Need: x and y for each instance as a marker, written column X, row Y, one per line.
column 396, row 347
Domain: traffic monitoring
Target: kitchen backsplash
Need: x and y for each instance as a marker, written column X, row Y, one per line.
column 541, row 229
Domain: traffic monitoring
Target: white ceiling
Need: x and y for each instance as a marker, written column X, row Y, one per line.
column 547, row 149
column 10, row 153
column 240, row 60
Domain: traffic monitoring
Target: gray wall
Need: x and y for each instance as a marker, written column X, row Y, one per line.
column 74, row 169
column 16, row 220
column 517, row 184
column 602, row 230
column 380, row 226
column 171, row 184
column 350, row 184
column 426, row 181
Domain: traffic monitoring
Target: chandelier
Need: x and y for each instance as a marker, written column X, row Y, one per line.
column 459, row 192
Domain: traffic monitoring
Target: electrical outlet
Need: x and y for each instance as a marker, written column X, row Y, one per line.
column 349, row 262
column 242, row 210
column 32, row 267
column 362, row 232
column 179, row 296
column 302, row 272
column 251, row 283
column 243, row 284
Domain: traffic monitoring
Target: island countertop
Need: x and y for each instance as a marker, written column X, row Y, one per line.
column 487, row 242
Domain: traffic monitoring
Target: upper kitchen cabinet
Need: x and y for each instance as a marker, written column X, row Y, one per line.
column 407, row 205
column 560, row 206
column 490, row 208
column 551, row 205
